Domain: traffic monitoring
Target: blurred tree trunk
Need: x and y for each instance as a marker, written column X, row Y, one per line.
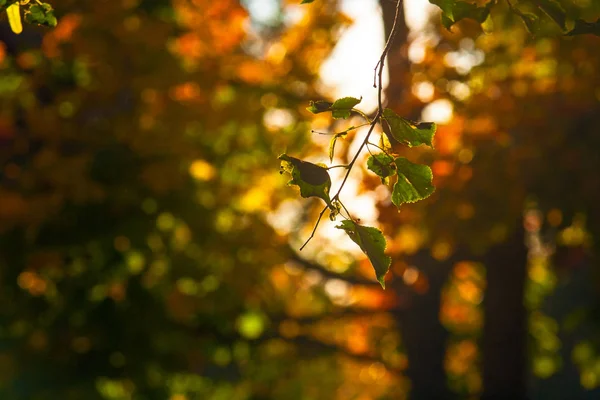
column 398, row 92
column 505, row 327
column 423, row 336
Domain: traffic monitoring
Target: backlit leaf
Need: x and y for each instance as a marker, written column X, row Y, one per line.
column 342, row 108
column 382, row 165
column 319, row 106
column 372, row 243
column 414, row 182
column 453, row 11
column 332, row 144
column 312, row 179
column 384, row 142
column 407, row 133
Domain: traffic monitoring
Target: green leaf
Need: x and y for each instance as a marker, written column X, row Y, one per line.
column 382, row 165
column 14, row 18
column 312, row 179
column 554, row 10
column 453, row 11
column 342, row 108
column 306, row 1
column 407, row 133
column 319, row 106
column 447, row 7
column 414, row 182
column 582, row 28
column 332, row 144
column 372, row 243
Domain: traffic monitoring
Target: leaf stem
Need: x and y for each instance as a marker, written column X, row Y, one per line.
column 345, row 130
column 351, row 164
column 365, row 116
column 379, row 147
column 347, row 212
column 338, row 166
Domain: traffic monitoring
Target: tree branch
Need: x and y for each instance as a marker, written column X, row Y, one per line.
column 305, row 264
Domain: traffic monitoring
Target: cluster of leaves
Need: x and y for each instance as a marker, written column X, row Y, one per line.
column 516, row 153
column 411, row 182
column 34, row 12
column 530, row 11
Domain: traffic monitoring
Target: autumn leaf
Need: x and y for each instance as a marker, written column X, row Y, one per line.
column 342, row 108
column 382, row 165
column 407, row 133
column 414, row 182
column 372, row 242
column 312, row 179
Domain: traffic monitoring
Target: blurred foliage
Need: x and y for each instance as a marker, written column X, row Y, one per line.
column 144, row 228
column 524, row 120
column 137, row 142
column 566, row 14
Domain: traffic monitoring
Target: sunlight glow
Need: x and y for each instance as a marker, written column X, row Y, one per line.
column 349, row 70
column 459, row 90
column 418, row 13
column 278, row 119
column 424, row 91
column 286, row 217
column 263, row 11
column 464, row 60
column 440, row 111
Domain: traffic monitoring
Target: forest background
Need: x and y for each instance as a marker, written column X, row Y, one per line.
column 149, row 247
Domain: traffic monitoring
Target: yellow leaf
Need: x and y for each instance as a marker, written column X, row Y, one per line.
column 14, row 18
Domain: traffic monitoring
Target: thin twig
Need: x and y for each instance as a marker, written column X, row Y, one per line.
column 365, row 116
column 324, row 133
column 379, row 114
column 379, row 147
column 315, row 228
column 347, row 212
column 369, row 150
column 385, row 52
column 337, row 166
column 351, row 164
column 347, row 129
